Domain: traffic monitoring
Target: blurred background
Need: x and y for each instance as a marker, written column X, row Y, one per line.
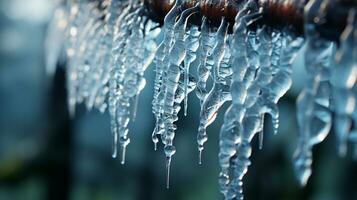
column 45, row 155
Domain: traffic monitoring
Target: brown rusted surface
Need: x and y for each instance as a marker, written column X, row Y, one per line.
column 283, row 13
column 276, row 14
column 279, row 14
column 213, row 10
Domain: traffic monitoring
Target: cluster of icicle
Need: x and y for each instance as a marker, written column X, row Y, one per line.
column 329, row 97
column 109, row 44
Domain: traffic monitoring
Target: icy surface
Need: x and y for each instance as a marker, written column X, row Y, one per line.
column 109, row 44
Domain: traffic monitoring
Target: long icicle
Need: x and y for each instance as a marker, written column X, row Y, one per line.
column 313, row 104
column 229, row 135
column 219, row 92
column 176, row 56
column 159, row 62
column 117, row 72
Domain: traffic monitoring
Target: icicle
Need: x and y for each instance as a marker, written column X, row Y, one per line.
column 133, row 81
column 206, row 43
column 137, row 59
column 265, row 74
column 86, row 70
column 252, row 118
column 160, row 61
column 170, row 84
column 231, row 129
column 343, row 80
column 102, row 60
column 313, row 103
column 191, row 45
column 117, row 72
column 220, row 90
column 281, row 81
column 111, row 14
column 108, row 49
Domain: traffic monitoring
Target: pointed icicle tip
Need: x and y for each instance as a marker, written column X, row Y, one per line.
column 155, row 146
column 200, row 157
column 168, row 166
column 123, row 152
column 115, row 145
column 261, row 139
column 114, row 154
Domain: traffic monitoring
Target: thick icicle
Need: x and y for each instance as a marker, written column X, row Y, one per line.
column 220, row 90
column 129, row 80
column 229, row 135
column 170, row 84
column 313, row 104
column 160, row 62
column 250, row 100
column 252, row 119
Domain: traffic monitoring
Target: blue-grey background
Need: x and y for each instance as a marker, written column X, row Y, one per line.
column 44, row 155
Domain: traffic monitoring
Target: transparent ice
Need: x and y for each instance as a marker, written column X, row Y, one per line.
column 248, row 69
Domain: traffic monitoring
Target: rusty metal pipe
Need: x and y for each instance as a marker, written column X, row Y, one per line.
column 278, row 14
